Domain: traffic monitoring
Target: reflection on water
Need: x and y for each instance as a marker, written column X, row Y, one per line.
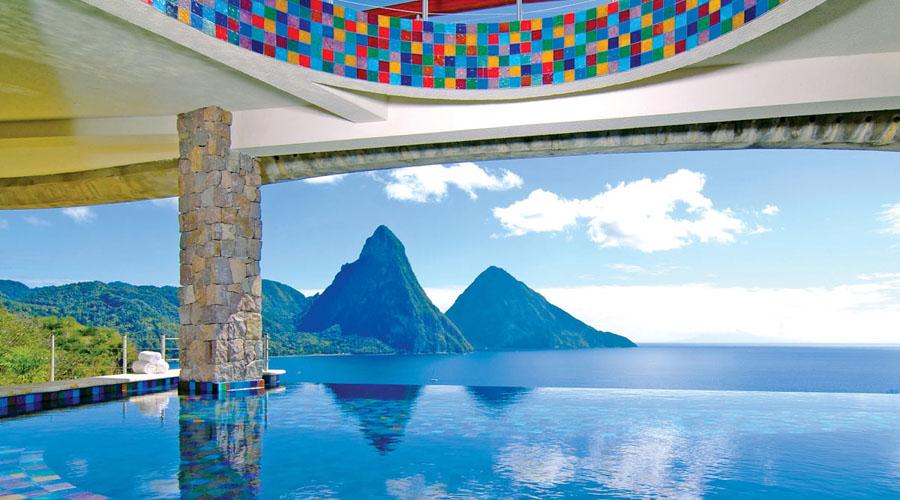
column 383, row 411
column 536, row 465
column 152, row 405
column 414, row 488
column 657, row 461
column 497, row 399
column 221, row 446
column 394, row 441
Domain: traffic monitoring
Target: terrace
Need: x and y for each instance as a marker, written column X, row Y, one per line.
column 209, row 100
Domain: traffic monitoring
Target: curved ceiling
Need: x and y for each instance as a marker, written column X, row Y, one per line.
column 90, row 89
column 612, row 43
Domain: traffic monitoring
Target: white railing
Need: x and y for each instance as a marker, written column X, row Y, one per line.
column 163, row 344
column 52, row 357
column 164, row 340
column 266, row 350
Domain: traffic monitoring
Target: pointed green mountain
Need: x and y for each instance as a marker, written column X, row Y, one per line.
column 498, row 312
column 379, row 296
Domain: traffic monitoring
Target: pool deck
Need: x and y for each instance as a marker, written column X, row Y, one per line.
column 82, row 383
column 29, row 398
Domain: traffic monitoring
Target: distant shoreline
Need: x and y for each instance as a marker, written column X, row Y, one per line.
column 647, row 344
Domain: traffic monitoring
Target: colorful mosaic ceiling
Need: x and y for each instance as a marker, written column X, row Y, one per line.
column 614, row 37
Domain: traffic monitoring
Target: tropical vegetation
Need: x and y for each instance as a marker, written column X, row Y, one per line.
column 81, row 351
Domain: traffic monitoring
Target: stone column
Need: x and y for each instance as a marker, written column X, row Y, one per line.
column 221, row 231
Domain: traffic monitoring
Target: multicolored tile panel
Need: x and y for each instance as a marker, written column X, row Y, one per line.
column 615, row 36
column 221, row 389
column 271, row 380
column 221, row 446
column 12, row 406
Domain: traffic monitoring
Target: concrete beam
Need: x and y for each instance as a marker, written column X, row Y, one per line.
column 877, row 131
column 872, row 131
column 867, row 82
column 141, row 181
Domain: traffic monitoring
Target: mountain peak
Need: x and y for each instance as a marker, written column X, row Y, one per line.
column 379, row 296
column 495, row 273
column 497, row 281
column 499, row 312
column 383, row 242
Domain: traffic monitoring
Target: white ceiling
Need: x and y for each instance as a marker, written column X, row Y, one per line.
column 98, row 90
column 64, row 59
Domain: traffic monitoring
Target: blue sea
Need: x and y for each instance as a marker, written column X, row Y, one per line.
column 651, row 366
column 653, row 422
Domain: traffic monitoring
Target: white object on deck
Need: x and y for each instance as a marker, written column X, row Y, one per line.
column 150, row 356
column 149, row 367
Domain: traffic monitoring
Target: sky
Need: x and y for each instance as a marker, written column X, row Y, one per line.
column 714, row 246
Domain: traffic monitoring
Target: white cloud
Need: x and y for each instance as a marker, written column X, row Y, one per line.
column 863, row 312
column 651, row 271
column 443, row 298
column 36, row 221
column 38, row 282
column 79, row 214
column 647, row 215
column 629, row 268
column 760, row 229
column 541, row 212
column 325, row 179
column 771, row 210
column 890, row 278
column 171, row 203
column 430, row 182
column 852, row 313
column 891, row 217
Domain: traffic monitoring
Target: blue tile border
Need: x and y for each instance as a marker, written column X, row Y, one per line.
column 12, row 406
column 271, row 380
column 193, row 388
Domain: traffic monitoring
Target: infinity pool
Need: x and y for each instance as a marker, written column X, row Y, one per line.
column 395, row 441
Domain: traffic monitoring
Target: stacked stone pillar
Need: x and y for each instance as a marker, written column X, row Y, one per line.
column 221, row 230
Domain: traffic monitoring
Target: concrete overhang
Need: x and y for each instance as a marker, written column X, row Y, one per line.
column 90, row 89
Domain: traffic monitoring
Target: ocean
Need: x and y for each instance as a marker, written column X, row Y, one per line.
column 653, row 422
column 651, row 366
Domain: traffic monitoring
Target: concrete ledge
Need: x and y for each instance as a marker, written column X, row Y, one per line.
column 272, row 378
column 29, row 398
column 82, row 383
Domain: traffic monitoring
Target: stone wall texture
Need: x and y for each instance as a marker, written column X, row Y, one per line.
column 221, row 231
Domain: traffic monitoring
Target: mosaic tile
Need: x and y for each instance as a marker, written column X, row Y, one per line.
column 29, row 403
column 220, row 444
column 27, row 476
column 192, row 388
column 271, row 380
column 613, row 37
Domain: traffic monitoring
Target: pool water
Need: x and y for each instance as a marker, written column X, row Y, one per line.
column 311, row 440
